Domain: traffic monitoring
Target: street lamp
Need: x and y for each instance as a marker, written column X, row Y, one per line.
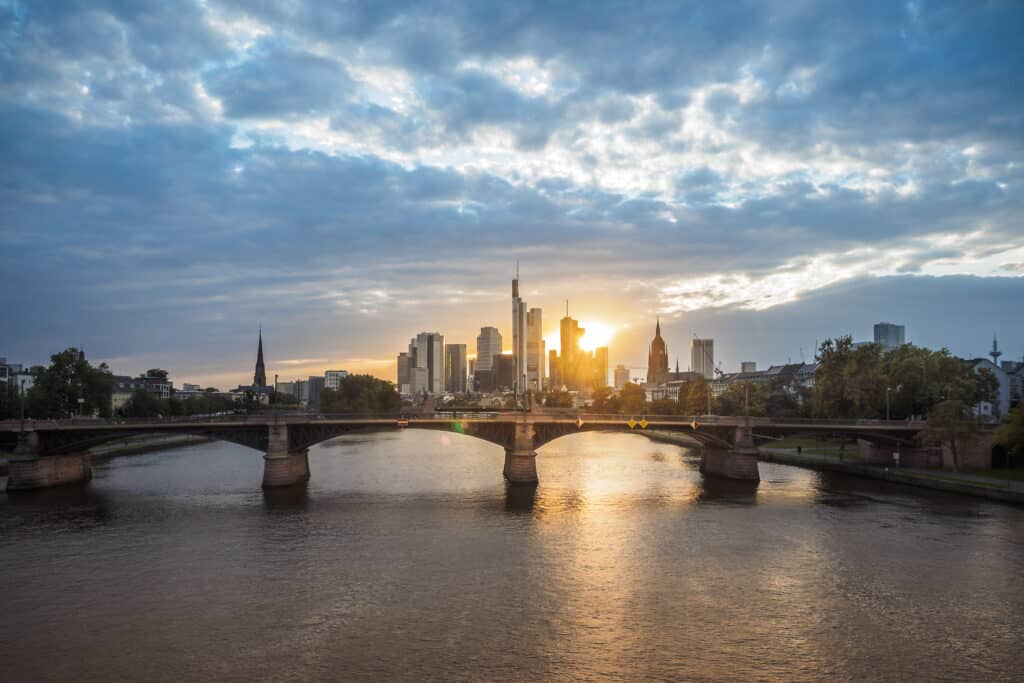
column 22, row 405
column 887, row 390
column 81, row 403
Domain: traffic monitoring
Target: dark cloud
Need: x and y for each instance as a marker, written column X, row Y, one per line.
column 277, row 82
column 766, row 133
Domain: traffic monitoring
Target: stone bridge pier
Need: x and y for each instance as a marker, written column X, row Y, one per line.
column 27, row 469
column 283, row 466
column 521, row 458
column 737, row 462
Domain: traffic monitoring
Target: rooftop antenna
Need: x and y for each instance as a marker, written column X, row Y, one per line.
column 566, row 308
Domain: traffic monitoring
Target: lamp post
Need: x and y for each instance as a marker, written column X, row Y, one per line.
column 887, row 390
column 22, row 405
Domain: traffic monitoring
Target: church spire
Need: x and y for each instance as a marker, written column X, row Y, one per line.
column 260, row 378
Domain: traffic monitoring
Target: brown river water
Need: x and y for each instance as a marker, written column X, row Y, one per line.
column 407, row 558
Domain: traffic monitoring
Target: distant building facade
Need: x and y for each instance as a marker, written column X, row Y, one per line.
column 332, row 378
column 702, row 357
column 890, row 336
column 488, row 345
column 536, row 356
column 455, row 368
column 621, row 376
column 426, row 364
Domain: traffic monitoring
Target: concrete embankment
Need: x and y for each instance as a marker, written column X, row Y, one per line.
column 940, row 480
column 144, row 444
column 132, row 445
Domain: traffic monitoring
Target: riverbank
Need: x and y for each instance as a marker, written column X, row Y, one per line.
column 132, row 445
column 828, row 458
column 1003, row 490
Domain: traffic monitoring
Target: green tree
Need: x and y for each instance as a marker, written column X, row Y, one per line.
column 951, row 423
column 1010, row 434
column 633, row 400
column 155, row 373
column 142, row 404
column 693, row 397
column 361, row 394
column 70, row 377
column 605, row 401
column 558, row 399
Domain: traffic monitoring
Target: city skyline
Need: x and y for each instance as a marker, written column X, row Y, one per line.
column 766, row 177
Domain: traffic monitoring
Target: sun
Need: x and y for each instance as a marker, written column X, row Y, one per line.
column 597, row 334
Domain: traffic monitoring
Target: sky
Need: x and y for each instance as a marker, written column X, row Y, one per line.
column 175, row 174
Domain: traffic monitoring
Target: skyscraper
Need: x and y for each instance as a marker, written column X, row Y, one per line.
column 426, row 363
column 621, row 376
column 259, row 379
column 455, row 368
column 488, row 345
column 657, row 358
column 535, row 356
column 404, row 387
column 518, row 335
column 889, row 336
column 702, row 357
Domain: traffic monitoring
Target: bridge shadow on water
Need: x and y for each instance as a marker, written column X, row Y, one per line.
column 519, row 498
column 71, row 506
column 286, row 498
column 727, row 491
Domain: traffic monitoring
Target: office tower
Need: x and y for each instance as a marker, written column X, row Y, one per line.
column 535, row 355
column 402, row 379
column 313, row 387
column 455, row 368
column 621, row 376
column 657, row 358
column 332, row 378
column 504, row 371
column 555, row 380
column 889, row 336
column 426, row 363
column 570, row 363
column 599, row 367
column 518, row 336
column 488, row 345
column 702, row 357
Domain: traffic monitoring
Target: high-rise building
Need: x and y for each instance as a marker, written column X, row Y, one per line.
column 535, row 355
column 426, row 363
column 403, row 381
column 657, row 358
column 599, row 367
column 702, row 357
column 504, row 371
column 313, row 387
column 889, row 336
column 332, row 378
column 555, row 379
column 519, row 341
column 488, row 345
column 259, row 378
column 621, row 376
column 455, row 368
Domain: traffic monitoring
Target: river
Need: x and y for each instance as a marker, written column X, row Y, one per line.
column 406, row 557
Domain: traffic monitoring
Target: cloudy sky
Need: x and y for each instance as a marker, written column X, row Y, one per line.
column 173, row 174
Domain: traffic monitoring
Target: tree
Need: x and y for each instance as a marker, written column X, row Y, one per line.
column 155, row 373
column 1010, row 434
column 951, row 423
column 558, row 399
column 633, row 400
column 360, row 394
column 605, row 401
column 56, row 389
column 142, row 404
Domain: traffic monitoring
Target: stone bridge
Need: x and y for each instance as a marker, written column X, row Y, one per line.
column 53, row 452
